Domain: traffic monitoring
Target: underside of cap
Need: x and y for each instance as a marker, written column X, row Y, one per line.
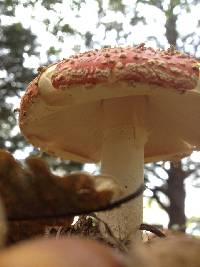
column 75, row 132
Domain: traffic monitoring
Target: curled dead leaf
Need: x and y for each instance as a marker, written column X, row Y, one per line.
column 34, row 191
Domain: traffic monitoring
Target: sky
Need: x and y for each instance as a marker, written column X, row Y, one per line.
column 33, row 18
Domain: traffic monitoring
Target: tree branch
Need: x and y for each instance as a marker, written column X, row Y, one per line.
column 156, row 197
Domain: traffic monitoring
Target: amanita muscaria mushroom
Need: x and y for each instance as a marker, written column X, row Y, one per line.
column 120, row 106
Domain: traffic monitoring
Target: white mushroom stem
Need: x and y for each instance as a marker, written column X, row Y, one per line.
column 125, row 135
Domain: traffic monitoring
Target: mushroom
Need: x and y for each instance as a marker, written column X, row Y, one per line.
column 120, row 106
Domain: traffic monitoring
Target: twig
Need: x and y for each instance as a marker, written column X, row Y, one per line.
column 152, row 229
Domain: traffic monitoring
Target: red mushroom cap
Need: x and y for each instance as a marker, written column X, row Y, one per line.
column 136, row 64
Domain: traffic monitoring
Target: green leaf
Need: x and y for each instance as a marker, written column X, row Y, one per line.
column 53, row 51
column 67, row 29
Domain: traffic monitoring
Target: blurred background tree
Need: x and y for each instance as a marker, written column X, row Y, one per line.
column 34, row 33
column 16, row 42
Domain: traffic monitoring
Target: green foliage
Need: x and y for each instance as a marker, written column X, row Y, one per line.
column 76, row 4
column 15, row 41
column 49, row 4
column 117, row 5
column 18, row 41
column 53, row 51
column 156, row 3
column 136, row 19
column 7, row 7
column 66, row 28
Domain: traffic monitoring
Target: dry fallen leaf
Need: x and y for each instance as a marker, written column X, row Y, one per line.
column 34, row 191
column 35, row 198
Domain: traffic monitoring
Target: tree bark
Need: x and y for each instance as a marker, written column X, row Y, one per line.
column 171, row 31
column 176, row 195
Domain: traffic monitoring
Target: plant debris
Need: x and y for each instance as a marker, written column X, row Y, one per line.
column 153, row 229
column 33, row 191
column 92, row 227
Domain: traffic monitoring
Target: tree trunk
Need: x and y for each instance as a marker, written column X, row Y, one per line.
column 176, row 194
column 175, row 182
column 171, row 31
